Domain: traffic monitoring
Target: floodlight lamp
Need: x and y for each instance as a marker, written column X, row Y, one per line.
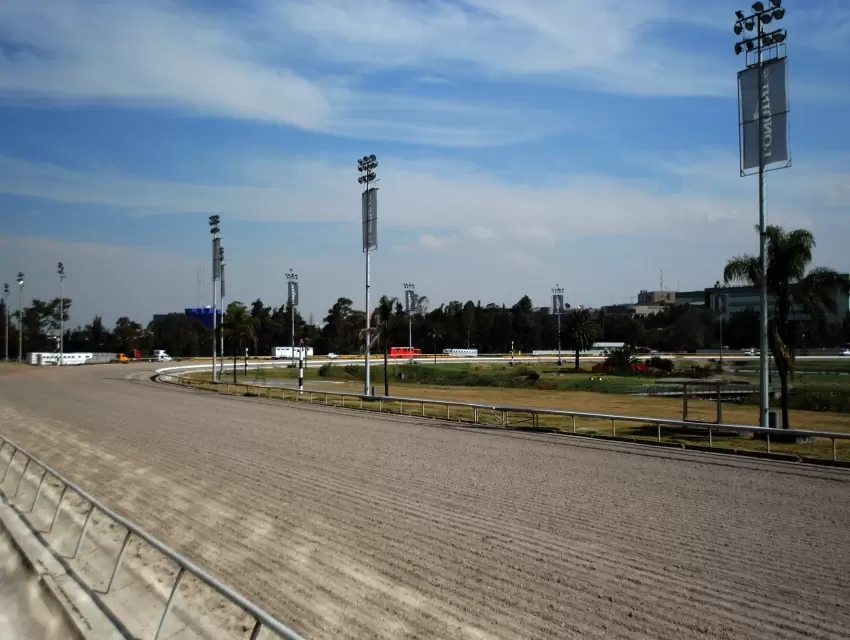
column 372, row 157
column 765, row 18
column 750, row 45
column 21, row 278
column 778, row 14
column 738, row 28
column 758, row 6
column 749, row 24
column 779, row 37
column 739, row 15
column 767, row 40
column 738, row 48
column 776, row 3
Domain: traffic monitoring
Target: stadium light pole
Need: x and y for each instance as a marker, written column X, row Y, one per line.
column 60, row 269
column 292, row 298
column 410, row 301
column 557, row 303
column 216, row 245
column 757, row 44
column 6, row 293
column 20, row 316
column 221, row 307
column 366, row 166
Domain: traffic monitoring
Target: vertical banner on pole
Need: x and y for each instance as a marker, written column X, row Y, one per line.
column 369, row 202
column 557, row 303
column 293, row 293
column 763, row 102
column 409, row 301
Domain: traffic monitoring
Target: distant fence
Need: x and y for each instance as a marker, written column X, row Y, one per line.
column 472, row 412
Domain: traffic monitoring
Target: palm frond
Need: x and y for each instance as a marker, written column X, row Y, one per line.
column 745, row 269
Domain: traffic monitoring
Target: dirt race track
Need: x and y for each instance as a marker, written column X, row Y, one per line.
column 358, row 526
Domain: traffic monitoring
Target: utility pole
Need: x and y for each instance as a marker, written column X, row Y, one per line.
column 292, row 298
column 758, row 105
column 369, row 206
column 20, row 316
column 6, row 293
column 557, row 309
column 60, row 269
column 221, row 306
column 216, row 274
column 410, row 306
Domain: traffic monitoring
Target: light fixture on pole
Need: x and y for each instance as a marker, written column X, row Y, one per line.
column 763, row 137
column 216, row 276
column 292, row 299
column 221, row 308
column 6, row 293
column 20, row 316
column 409, row 308
column 558, row 309
column 60, row 269
column 369, row 209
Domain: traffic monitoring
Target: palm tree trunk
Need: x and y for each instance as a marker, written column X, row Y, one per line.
column 435, row 350
column 386, row 375
column 234, row 362
column 783, row 384
column 577, row 355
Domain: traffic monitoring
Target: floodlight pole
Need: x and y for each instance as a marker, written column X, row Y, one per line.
column 60, row 269
column 760, row 16
column 292, row 277
column 216, row 266
column 367, row 166
column 6, row 292
column 221, row 308
column 411, row 300
column 558, row 290
column 20, row 316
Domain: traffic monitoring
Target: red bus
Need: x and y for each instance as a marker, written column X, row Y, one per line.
column 405, row 352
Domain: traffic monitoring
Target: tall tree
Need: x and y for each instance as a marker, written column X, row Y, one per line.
column 579, row 332
column 239, row 327
column 383, row 322
column 789, row 282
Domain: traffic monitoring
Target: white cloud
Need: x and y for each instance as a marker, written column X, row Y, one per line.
column 482, row 234
column 445, row 199
column 433, row 242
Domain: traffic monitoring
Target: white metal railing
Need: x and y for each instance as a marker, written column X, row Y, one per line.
column 261, row 618
column 176, row 375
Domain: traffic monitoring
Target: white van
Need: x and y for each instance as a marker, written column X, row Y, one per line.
column 160, row 355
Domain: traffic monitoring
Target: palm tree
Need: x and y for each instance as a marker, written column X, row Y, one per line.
column 435, row 334
column 384, row 320
column 239, row 328
column 789, row 254
column 579, row 332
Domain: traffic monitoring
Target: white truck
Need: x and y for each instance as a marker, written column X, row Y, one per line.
column 282, row 353
column 160, row 355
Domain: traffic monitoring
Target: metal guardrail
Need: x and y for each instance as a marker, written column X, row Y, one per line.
column 504, row 411
column 261, row 618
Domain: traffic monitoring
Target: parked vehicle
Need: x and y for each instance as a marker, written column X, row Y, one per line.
column 846, row 352
column 461, row 353
column 160, row 355
column 333, row 356
column 405, row 352
column 283, row 353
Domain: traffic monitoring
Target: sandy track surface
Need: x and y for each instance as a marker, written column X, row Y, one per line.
column 353, row 526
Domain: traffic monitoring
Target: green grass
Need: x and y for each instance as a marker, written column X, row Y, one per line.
column 801, row 365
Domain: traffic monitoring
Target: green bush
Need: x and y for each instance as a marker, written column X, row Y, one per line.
column 662, row 364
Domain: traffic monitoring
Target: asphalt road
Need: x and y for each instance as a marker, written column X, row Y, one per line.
column 352, row 525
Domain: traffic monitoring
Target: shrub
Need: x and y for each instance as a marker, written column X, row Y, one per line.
column 662, row 364
column 325, row 370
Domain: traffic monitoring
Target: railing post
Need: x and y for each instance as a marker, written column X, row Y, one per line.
column 613, row 428
column 326, row 398
column 118, row 562
column 58, row 506
column 21, row 479
column 768, row 441
column 343, row 400
column 311, row 397
column 423, row 409
column 8, row 466
column 83, row 532
column 361, row 402
column 256, row 632
column 38, row 491
column 574, row 424
column 659, row 431
column 401, row 406
column 474, row 415
column 504, row 418
column 381, row 405
column 710, row 438
column 170, row 602
column 834, row 457
column 448, row 412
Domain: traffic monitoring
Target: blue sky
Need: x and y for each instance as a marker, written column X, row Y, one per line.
column 522, row 144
